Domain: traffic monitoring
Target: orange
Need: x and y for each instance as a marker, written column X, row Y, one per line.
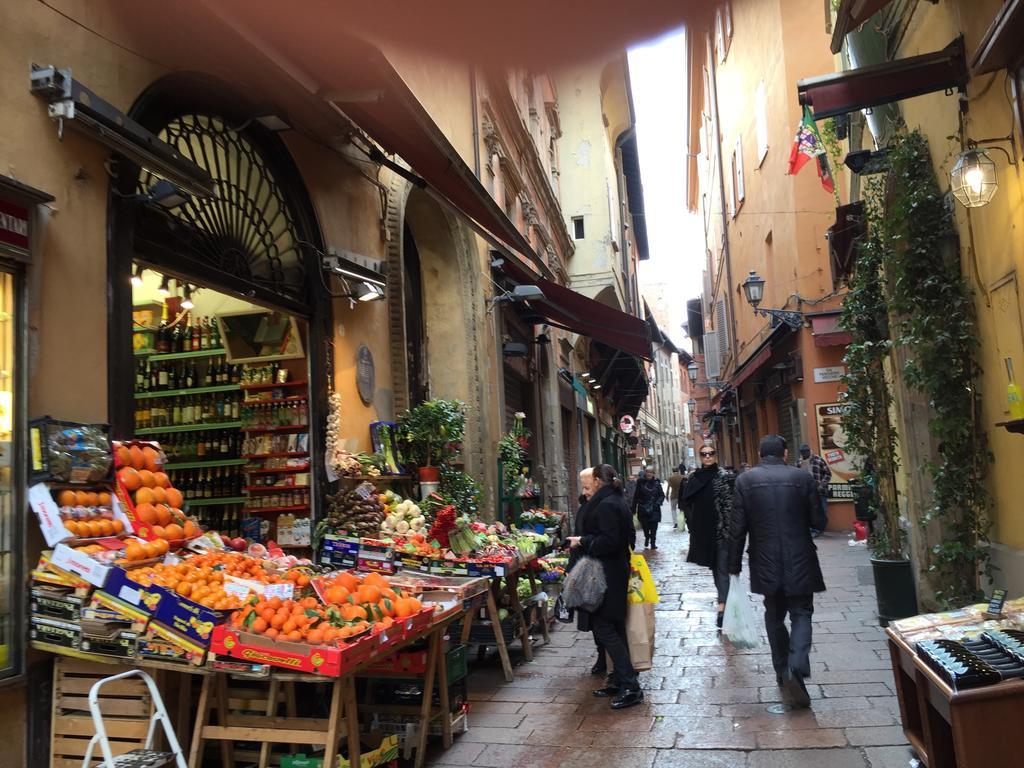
column 161, row 546
column 150, row 459
column 133, row 551
column 145, row 496
column 82, row 498
column 295, row 636
column 107, row 527
column 129, row 478
column 271, row 633
column 137, row 459
column 191, row 530
column 174, row 498
column 375, row 579
column 92, row 499
column 72, row 526
column 66, row 498
column 124, row 456
column 173, row 532
column 289, row 626
column 368, row 593
column 117, row 525
column 95, row 530
column 315, row 637
column 278, row 620
column 163, row 515
column 104, row 499
column 147, row 550
column 335, row 594
column 348, row 581
column 159, row 531
column 147, row 514
column 184, row 588
column 159, row 494
column 260, row 625
column 162, row 480
column 147, row 478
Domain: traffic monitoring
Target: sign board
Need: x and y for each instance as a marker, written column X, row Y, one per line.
column 626, row 423
column 366, row 378
column 829, row 373
column 13, row 225
column 832, row 446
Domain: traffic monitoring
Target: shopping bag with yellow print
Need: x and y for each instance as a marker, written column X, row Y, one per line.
column 641, row 583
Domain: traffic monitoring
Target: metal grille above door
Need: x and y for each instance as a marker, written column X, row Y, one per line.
column 789, row 422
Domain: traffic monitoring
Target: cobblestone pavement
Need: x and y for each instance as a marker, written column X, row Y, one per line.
column 706, row 703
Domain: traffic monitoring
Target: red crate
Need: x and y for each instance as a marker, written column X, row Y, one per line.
column 327, row 660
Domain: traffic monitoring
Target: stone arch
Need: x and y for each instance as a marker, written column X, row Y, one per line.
column 453, row 310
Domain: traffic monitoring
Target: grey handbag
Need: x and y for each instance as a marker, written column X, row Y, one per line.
column 585, row 585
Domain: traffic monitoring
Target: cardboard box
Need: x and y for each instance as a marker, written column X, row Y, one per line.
column 158, row 643
column 325, row 660
column 60, row 603
column 339, row 551
column 387, row 752
column 62, row 633
column 181, row 615
column 105, row 607
column 121, row 586
column 47, row 511
column 236, row 667
column 93, row 571
column 109, row 638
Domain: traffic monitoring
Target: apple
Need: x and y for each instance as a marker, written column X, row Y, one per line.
column 238, row 544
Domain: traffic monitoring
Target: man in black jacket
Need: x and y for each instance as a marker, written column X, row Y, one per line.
column 779, row 505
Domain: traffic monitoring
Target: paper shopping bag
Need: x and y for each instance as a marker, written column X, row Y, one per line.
column 640, row 634
column 641, row 583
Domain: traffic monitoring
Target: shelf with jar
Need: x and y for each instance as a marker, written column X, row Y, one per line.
column 188, row 410
column 304, row 467
column 154, row 375
column 271, row 488
column 188, row 428
column 178, row 466
column 274, row 415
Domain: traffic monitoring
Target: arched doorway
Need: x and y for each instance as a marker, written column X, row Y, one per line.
column 415, row 329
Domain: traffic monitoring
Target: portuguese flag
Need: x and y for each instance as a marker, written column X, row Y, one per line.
column 808, row 146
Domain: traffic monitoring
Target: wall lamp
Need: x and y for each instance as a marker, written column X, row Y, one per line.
column 518, row 295
column 753, row 288
column 692, row 405
column 973, row 179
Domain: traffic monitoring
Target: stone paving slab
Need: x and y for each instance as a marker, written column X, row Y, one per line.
column 706, row 702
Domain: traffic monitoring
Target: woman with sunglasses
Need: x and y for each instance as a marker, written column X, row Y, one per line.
column 707, row 505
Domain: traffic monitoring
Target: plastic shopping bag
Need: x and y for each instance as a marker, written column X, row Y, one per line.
column 641, row 583
column 681, row 519
column 739, row 623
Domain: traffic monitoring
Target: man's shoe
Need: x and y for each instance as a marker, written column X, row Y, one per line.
column 794, row 691
column 608, row 692
column 815, row 533
column 600, row 669
column 628, row 699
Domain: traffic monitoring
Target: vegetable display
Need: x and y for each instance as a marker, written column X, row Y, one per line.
column 402, row 516
column 358, row 512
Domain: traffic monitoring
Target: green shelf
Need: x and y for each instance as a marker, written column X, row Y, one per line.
column 213, row 502
column 187, row 392
column 205, row 464
column 183, row 355
column 189, row 428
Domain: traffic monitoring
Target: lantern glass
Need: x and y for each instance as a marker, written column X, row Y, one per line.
column 973, row 178
column 753, row 287
column 692, row 405
column 691, row 371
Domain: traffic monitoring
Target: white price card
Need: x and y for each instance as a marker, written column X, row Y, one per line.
column 241, row 591
column 283, row 591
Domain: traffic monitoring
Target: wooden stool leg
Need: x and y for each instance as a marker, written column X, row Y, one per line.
column 442, row 684
column 492, row 612
column 292, row 708
column 511, row 589
column 334, row 716
column 202, row 717
column 542, row 609
column 270, row 710
column 227, row 748
column 428, row 697
column 352, row 722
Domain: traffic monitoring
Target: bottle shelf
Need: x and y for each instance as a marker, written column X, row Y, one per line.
column 277, row 400
column 279, row 470
column 188, row 428
column 264, row 387
column 187, row 392
column 274, row 510
column 205, row 464
column 154, row 358
column 214, row 502
column 272, row 488
column 295, row 546
column 285, row 455
column 289, row 428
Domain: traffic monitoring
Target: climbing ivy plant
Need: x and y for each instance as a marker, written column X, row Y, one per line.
column 911, row 263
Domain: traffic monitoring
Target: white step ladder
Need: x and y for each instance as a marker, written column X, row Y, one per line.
column 146, row 757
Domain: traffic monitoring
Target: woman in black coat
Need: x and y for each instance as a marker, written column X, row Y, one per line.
column 579, row 523
column 707, row 504
column 608, row 535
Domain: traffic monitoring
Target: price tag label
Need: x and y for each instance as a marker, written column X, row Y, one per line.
column 241, row 591
column 995, row 604
column 283, row 591
column 365, row 490
column 171, row 559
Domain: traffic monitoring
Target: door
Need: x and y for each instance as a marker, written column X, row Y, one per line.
column 414, row 335
column 789, row 422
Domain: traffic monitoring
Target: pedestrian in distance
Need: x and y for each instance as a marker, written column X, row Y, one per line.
column 675, row 483
column 600, row 667
column 629, row 491
column 647, row 501
column 706, row 500
column 608, row 536
column 778, row 506
column 822, row 473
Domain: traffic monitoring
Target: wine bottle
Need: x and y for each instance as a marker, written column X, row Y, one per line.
column 196, row 334
column 162, row 378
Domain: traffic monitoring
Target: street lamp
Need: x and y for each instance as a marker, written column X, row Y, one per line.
column 753, row 288
column 692, row 405
column 692, row 370
column 973, row 178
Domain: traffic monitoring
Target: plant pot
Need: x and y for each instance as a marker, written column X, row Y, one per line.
column 429, row 474
column 894, row 590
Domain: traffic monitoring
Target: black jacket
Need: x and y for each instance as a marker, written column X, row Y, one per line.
column 706, row 500
column 608, row 535
column 778, row 505
column 647, row 500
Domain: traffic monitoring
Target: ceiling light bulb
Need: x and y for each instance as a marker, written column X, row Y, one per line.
column 137, row 277
column 165, row 287
column 186, row 303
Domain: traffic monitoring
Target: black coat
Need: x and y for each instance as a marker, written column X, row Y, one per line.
column 778, row 505
column 706, row 500
column 647, row 500
column 608, row 535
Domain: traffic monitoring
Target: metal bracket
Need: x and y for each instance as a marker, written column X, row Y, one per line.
column 794, row 320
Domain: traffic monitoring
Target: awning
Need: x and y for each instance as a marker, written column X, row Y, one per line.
column 827, row 333
column 1001, row 47
column 565, row 308
column 856, row 89
column 751, row 366
column 623, row 379
column 850, row 15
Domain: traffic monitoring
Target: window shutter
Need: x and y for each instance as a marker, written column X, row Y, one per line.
column 741, row 192
column 712, row 360
column 722, row 329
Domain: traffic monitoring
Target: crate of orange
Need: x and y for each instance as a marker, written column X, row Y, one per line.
column 153, row 505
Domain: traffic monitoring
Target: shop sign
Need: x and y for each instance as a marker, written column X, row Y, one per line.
column 13, row 224
column 366, row 376
column 829, row 373
column 832, row 445
column 626, row 423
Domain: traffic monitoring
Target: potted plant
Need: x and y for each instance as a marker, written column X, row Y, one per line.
column 431, row 435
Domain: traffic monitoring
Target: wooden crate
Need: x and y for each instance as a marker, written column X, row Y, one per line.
column 126, row 706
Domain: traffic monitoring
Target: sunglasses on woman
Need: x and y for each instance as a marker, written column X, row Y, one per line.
column 707, row 453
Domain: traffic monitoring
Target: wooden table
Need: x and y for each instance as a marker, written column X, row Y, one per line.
column 955, row 729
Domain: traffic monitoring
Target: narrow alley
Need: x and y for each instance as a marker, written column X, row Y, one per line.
column 706, row 703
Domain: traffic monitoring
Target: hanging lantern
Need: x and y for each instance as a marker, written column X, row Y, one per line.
column 973, row 178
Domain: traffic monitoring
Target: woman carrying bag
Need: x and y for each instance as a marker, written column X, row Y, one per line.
column 607, row 535
column 707, row 504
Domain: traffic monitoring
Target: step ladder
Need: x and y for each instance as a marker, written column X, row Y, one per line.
column 146, row 757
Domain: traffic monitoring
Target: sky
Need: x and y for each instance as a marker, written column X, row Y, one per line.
column 673, row 274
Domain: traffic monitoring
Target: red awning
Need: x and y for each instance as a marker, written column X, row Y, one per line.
column 1001, row 47
column 751, row 366
column 565, row 308
column 827, row 333
column 850, row 15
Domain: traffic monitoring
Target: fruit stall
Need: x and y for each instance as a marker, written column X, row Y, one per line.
column 264, row 650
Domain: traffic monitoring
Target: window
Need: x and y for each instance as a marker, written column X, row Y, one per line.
column 720, row 36
column 727, row 15
column 737, row 173
column 761, row 122
column 577, row 228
